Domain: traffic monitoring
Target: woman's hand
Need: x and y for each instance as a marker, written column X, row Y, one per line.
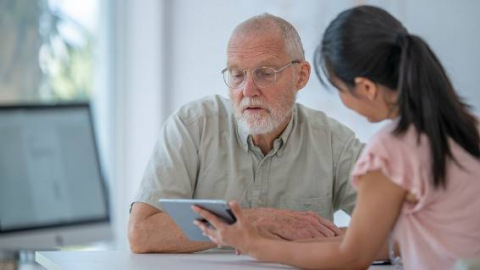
column 241, row 235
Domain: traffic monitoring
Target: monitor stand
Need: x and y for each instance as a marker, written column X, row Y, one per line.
column 17, row 260
column 9, row 260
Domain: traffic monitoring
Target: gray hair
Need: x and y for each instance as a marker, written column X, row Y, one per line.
column 265, row 22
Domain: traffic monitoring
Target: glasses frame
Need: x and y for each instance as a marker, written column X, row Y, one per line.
column 245, row 73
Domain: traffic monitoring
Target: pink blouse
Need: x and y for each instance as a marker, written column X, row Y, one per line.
column 444, row 224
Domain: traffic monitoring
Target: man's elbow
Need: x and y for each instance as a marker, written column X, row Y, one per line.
column 136, row 240
column 141, row 242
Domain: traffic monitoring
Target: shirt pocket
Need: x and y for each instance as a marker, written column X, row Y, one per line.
column 321, row 205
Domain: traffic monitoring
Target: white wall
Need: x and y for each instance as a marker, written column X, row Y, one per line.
column 171, row 52
column 135, row 99
column 202, row 28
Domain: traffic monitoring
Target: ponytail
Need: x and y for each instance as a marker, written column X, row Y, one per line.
column 368, row 42
column 428, row 101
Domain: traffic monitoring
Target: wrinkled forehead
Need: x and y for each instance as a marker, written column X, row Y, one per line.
column 248, row 50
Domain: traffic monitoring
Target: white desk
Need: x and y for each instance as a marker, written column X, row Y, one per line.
column 124, row 260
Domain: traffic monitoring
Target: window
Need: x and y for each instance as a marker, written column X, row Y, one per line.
column 47, row 50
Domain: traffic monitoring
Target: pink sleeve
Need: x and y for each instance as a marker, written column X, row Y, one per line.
column 395, row 158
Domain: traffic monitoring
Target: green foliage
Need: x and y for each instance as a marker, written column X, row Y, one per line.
column 72, row 79
column 37, row 61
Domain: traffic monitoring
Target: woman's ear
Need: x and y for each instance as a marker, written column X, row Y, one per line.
column 365, row 88
column 303, row 74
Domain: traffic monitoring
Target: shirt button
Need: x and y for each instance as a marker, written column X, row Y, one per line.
column 306, row 206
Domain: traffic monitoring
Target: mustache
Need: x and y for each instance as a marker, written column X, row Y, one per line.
column 253, row 102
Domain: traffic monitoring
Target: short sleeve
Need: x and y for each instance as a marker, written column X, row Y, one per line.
column 172, row 168
column 397, row 158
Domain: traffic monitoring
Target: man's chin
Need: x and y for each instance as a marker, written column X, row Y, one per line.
column 255, row 113
column 256, row 129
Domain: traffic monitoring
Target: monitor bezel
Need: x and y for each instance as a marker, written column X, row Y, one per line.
column 106, row 195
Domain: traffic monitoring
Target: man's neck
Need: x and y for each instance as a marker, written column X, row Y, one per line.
column 265, row 141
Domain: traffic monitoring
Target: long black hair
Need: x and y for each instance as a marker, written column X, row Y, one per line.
column 368, row 42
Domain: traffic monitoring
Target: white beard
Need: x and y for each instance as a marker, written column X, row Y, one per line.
column 262, row 122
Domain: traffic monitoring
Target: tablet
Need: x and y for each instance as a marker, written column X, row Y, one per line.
column 180, row 210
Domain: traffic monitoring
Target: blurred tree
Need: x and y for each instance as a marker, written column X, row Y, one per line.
column 20, row 74
column 38, row 62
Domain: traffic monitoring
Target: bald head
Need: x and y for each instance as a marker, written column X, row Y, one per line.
column 264, row 24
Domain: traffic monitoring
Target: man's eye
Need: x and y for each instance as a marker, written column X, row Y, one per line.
column 236, row 73
column 265, row 73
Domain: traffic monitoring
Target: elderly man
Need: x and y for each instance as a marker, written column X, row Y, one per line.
column 290, row 165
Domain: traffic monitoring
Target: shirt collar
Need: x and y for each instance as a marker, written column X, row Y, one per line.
column 245, row 138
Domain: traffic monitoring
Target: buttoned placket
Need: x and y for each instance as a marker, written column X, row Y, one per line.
column 256, row 192
column 262, row 174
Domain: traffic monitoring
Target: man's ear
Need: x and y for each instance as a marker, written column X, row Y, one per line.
column 365, row 88
column 303, row 74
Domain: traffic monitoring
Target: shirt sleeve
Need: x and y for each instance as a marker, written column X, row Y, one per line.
column 397, row 159
column 172, row 168
column 344, row 194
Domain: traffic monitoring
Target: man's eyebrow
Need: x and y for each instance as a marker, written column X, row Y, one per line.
column 269, row 62
column 229, row 65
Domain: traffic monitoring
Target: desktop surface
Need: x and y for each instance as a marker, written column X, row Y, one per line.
column 125, row 260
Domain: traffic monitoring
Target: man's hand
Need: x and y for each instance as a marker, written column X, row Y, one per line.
column 291, row 225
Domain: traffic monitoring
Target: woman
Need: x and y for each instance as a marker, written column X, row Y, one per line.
column 419, row 176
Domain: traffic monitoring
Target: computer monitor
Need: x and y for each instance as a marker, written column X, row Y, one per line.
column 52, row 190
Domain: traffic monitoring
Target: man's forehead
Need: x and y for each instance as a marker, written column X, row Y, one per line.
column 254, row 61
column 256, row 51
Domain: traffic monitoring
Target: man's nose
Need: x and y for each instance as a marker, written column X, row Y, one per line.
column 250, row 88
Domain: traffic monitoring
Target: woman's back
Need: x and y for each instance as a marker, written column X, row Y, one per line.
column 444, row 224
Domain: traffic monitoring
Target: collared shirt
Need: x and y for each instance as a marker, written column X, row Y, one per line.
column 202, row 154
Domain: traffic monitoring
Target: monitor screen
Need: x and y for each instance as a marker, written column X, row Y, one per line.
column 51, row 182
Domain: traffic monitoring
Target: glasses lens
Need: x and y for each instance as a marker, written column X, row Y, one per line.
column 234, row 77
column 264, row 76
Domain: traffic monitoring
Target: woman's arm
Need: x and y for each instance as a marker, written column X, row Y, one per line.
column 378, row 205
column 382, row 255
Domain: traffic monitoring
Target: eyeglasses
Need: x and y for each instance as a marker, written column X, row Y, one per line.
column 263, row 77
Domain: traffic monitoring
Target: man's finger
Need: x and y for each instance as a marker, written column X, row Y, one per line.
column 316, row 233
column 327, row 223
column 307, row 233
column 325, row 231
column 268, row 234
